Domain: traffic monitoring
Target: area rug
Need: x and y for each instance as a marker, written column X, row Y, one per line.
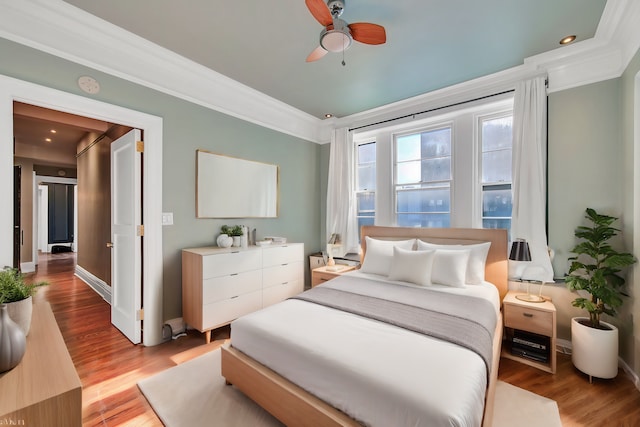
column 194, row 394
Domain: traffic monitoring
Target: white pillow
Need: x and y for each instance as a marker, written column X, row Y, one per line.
column 450, row 267
column 377, row 259
column 477, row 258
column 411, row 266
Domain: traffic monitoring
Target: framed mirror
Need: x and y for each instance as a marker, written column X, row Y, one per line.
column 229, row 187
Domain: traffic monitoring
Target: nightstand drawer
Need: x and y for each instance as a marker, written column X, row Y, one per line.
column 527, row 319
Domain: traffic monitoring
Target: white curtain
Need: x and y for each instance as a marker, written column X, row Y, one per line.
column 341, row 204
column 529, row 179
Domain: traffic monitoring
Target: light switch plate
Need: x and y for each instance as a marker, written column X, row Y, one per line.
column 167, row 218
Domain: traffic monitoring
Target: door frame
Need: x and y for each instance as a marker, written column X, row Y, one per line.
column 11, row 90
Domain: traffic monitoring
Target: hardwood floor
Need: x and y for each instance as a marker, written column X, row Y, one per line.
column 109, row 366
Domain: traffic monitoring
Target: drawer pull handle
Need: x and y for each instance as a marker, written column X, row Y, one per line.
column 285, row 283
column 527, row 314
column 234, row 297
column 284, row 264
column 234, row 274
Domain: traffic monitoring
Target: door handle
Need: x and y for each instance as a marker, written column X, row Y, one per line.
column 109, row 244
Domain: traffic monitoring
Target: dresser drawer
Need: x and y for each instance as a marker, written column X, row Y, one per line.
column 276, row 255
column 273, row 276
column 225, row 287
column 528, row 319
column 231, row 262
column 281, row 292
column 223, row 312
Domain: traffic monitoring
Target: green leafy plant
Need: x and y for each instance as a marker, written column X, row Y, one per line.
column 596, row 268
column 236, row 231
column 13, row 287
column 225, row 229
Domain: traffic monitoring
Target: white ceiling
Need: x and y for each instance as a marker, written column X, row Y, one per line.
column 431, row 44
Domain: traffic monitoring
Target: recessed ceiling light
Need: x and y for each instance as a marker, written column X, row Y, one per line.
column 53, row 131
column 47, row 139
column 568, row 40
column 328, row 116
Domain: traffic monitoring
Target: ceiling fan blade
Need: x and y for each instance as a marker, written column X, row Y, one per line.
column 317, row 53
column 365, row 32
column 320, row 11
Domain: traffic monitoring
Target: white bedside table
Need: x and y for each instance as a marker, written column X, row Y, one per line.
column 521, row 318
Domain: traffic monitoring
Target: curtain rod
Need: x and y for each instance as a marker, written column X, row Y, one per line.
column 432, row 109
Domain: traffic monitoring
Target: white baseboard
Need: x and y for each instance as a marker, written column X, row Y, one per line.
column 564, row 346
column 28, row 267
column 94, row 283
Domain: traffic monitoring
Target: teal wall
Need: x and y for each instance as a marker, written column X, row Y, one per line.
column 188, row 127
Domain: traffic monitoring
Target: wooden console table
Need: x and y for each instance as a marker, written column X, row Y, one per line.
column 44, row 389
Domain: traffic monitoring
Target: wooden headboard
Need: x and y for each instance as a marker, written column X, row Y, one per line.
column 497, row 263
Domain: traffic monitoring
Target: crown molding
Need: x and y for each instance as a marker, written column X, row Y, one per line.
column 63, row 30
column 604, row 57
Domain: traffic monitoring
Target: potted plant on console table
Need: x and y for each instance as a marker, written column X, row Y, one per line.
column 17, row 295
column 595, row 269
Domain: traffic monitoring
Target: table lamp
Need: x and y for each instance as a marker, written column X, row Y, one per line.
column 520, row 252
column 334, row 240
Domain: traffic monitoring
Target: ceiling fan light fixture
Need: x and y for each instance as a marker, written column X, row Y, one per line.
column 335, row 40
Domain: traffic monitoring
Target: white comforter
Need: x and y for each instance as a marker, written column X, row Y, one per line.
column 379, row 374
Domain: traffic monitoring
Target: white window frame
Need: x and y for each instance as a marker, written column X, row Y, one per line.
column 466, row 207
column 479, row 184
column 433, row 127
column 356, row 187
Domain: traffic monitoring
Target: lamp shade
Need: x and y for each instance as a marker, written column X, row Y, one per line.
column 520, row 251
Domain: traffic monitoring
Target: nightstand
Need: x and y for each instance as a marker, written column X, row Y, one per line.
column 529, row 332
column 322, row 274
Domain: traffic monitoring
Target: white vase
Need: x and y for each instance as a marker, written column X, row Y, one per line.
column 237, row 240
column 224, row 241
column 21, row 312
column 594, row 351
column 13, row 343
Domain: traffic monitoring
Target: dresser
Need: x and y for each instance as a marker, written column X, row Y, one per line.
column 222, row 284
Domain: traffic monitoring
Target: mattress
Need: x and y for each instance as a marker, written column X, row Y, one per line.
column 377, row 373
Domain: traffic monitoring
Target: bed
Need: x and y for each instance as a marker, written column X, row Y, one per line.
column 316, row 360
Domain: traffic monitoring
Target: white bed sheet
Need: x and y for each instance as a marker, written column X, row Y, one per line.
column 379, row 374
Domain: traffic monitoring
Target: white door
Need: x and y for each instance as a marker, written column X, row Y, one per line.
column 126, row 243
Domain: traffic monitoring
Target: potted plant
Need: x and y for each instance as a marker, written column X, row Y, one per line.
column 236, row 233
column 17, row 295
column 596, row 269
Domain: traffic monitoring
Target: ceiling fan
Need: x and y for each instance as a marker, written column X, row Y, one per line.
column 337, row 35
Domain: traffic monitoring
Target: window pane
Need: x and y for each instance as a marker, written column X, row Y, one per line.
column 367, row 153
column 408, row 148
column 496, row 166
column 366, row 203
column 367, row 177
column 436, row 169
column 424, row 220
column 365, row 221
column 408, row 172
column 496, row 133
column 436, row 143
column 424, row 200
column 496, row 203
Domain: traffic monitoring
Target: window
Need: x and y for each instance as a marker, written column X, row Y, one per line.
column 423, row 178
column 366, row 183
column 496, row 147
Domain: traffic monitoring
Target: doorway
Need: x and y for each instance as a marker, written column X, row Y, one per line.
column 16, row 90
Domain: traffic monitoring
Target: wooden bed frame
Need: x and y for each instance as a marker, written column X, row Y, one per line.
column 294, row 406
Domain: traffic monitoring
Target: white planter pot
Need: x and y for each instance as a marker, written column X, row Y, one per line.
column 20, row 312
column 594, row 351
